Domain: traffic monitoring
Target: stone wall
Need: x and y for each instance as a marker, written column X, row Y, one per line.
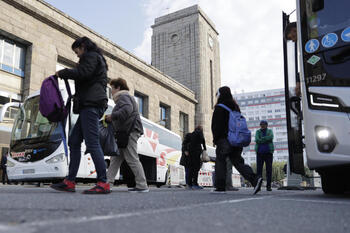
column 48, row 34
column 181, row 49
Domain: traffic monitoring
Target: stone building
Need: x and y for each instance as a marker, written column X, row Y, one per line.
column 36, row 38
column 185, row 46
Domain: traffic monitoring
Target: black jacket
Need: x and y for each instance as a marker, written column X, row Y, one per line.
column 197, row 141
column 219, row 123
column 90, row 78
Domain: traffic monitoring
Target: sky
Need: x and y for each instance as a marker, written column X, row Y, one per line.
column 250, row 32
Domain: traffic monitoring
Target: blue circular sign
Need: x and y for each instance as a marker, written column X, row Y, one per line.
column 345, row 35
column 329, row 40
column 312, row 46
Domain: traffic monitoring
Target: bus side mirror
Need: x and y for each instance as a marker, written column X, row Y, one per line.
column 317, row 5
column 5, row 107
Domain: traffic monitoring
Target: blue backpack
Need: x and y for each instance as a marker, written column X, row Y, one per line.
column 238, row 133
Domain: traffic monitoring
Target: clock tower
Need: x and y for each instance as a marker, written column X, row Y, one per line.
column 185, row 46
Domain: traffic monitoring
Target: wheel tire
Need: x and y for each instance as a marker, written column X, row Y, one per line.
column 332, row 183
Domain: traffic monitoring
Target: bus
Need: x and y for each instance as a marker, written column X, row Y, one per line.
column 320, row 118
column 37, row 151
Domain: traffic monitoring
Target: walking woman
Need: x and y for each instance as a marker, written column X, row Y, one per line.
column 219, row 127
column 90, row 102
column 125, row 118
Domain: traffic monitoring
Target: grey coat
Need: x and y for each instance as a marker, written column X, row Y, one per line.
column 124, row 113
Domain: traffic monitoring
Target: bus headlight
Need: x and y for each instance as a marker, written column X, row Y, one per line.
column 56, row 159
column 10, row 164
column 325, row 138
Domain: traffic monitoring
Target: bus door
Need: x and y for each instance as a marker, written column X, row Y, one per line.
column 293, row 104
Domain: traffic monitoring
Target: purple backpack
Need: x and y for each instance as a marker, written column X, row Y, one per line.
column 51, row 104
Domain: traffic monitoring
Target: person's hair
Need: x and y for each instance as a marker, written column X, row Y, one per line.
column 288, row 29
column 199, row 127
column 119, row 82
column 88, row 45
column 225, row 97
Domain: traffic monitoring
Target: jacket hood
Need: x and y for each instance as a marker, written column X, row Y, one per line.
column 119, row 93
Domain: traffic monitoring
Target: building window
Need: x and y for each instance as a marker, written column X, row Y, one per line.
column 183, row 124
column 12, row 57
column 164, row 115
column 211, row 84
column 142, row 102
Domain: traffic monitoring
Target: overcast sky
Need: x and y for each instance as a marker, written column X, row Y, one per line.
column 250, row 32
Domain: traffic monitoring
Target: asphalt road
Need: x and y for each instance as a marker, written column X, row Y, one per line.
column 31, row 209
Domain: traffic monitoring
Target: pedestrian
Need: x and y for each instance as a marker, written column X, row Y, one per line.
column 125, row 118
column 264, row 151
column 90, row 102
column 185, row 158
column 229, row 186
column 224, row 149
column 4, row 169
column 291, row 34
column 196, row 147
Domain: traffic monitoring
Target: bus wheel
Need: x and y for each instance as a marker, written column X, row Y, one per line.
column 332, row 183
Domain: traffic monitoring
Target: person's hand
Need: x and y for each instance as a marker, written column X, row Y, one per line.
column 186, row 153
column 108, row 118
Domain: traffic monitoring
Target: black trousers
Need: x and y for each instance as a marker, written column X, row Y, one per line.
column 224, row 150
column 267, row 159
column 194, row 167
column 4, row 176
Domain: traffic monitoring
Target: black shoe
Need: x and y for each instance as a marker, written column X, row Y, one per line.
column 137, row 190
column 218, row 191
column 268, row 189
column 232, row 189
column 197, row 187
column 257, row 187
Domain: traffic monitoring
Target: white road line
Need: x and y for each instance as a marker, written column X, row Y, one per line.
column 315, row 201
column 123, row 215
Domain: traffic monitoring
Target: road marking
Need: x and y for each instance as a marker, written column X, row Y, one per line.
column 44, row 223
column 315, row 201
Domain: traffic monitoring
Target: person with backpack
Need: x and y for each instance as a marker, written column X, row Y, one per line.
column 264, row 152
column 128, row 128
column 90, row 102
column 222, row 124
column 195, row 149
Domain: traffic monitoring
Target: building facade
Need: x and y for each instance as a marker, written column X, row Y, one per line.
column 35, row 41
column 266, row 105
column 185, row 46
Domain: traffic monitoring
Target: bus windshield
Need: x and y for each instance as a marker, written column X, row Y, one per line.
column 30, row 125
column 325, row 34
column 332, row 17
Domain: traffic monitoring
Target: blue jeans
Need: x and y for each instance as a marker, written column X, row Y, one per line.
column 86, row 128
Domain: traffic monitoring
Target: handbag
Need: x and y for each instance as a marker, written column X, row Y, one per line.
column 107, row 140
column 122, row 137
column 205, row 157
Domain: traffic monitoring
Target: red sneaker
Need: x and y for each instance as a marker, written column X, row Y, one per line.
column 100, row 188
column 66, row 186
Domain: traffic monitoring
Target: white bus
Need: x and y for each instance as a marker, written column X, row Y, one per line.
column 37, row 151
column 324, row 66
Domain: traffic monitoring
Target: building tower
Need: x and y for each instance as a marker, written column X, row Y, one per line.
column 185, row 46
